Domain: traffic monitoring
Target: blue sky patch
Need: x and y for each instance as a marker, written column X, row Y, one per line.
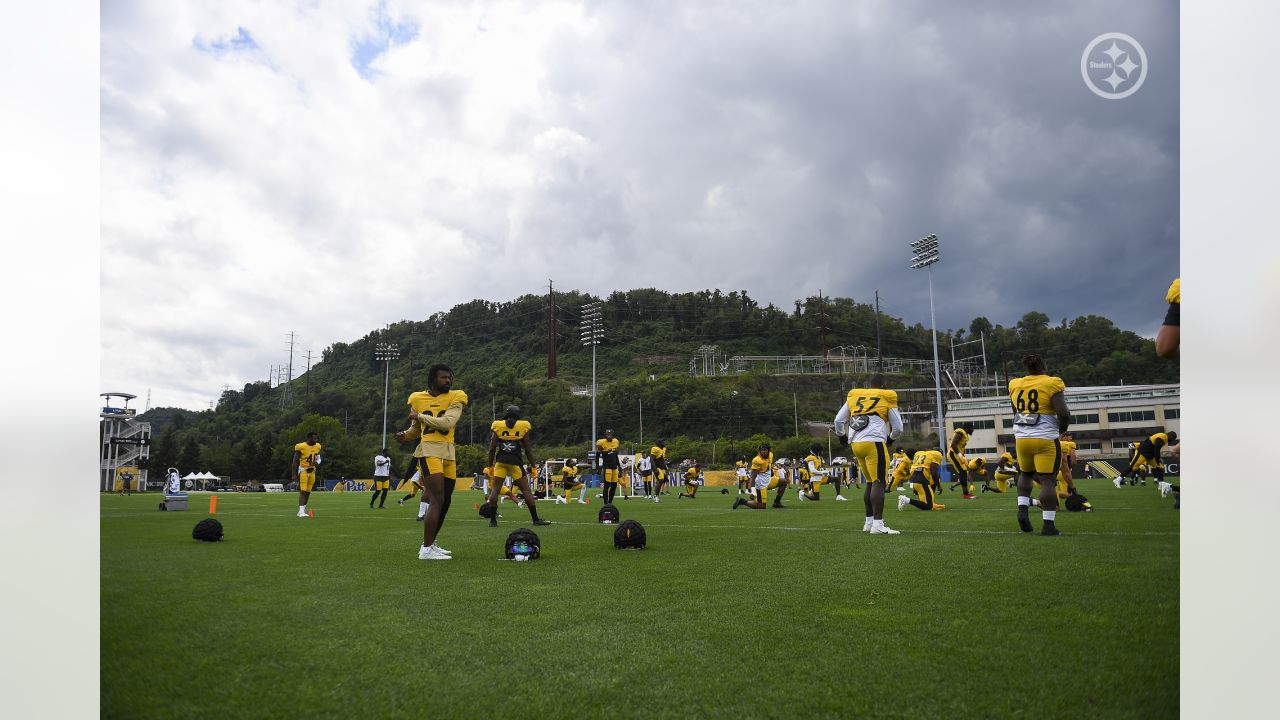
column 242, row 40
column 364, row 50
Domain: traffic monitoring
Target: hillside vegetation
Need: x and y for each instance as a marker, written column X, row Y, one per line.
column 498, row 352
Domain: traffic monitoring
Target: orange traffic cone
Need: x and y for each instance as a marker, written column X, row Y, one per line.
column 311, row 513
column 213, row 504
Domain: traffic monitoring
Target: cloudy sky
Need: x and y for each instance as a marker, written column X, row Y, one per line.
column 330, row 168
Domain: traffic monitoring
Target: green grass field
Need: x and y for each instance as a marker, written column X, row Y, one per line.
column 733, row 614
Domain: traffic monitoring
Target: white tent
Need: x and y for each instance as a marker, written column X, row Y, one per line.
column 191, row 476
column 208, row 476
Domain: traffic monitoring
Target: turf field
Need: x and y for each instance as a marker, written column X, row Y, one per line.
column 734, row 614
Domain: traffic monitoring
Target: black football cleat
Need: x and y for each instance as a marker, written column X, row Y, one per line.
column 1024, row 522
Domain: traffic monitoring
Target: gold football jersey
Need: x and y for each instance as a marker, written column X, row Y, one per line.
column 309, row 454
column 423, row 402
column 872, row 401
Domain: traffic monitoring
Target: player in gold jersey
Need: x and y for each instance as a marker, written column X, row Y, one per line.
column 900, row 468
column 956, row 461
column 1168, row 337
column 926, row 466
column 608, row 462
column 1005, row 471
column 1041, row 417
column 507, row 438
column 870, row 419
column 306, row 458
column 817, row 475
column 692, row 481
column 1147, row 455
column 434, row 412
column 763, row 479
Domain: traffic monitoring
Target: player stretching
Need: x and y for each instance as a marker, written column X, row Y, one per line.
column 1041, row 418
column 1005, row 471
column 510, row 435
column 763, row 479
column 925, row 465
column 435, row 412
column 1147, row 455
column 900, row 469
column 817, row 474
column 692, row 479
column 569, row 482
column 956, row 462
column 306, row 456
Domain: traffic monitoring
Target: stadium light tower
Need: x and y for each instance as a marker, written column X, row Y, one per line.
column 926, row 254
column 386, row 352
column 592, row 333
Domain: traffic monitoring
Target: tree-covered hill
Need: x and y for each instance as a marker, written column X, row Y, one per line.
column 498, row 352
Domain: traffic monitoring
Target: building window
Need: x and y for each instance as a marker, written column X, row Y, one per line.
column 1172, row 414
column 1131, row 416
column 1089, row 446
column 1085, row 419
column 977, row 425
column 977, row 452
column 1006, row 423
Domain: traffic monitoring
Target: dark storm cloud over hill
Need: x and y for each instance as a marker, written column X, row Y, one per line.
column 784, row 150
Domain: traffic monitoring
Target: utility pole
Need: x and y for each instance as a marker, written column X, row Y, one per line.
column 822, row 313
column 284, row 395
column 795, row 409
column 879, row 351
column 551, row 331
column 641, row 401
column 309, row 379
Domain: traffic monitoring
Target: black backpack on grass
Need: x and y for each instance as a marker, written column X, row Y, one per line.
column 629, row 536
column 207, row 530
column 523, row 542
column 608, row 514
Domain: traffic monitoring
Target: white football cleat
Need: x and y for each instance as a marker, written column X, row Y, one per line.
column 903, row 501
column 1116, row 482
column 1165, row 489
column 842, row 498
column 866, row 527
column 656, row 499
column 884, row 530
column 432, row 553
column 440, row 549
column 302, row 514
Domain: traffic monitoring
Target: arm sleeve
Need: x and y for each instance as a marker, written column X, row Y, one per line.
column 413, row 432
column 895, row 422
column 842, row 419
column 444, row 422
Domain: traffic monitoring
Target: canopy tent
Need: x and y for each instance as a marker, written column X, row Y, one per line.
column 208, row 476
column 192, row 476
